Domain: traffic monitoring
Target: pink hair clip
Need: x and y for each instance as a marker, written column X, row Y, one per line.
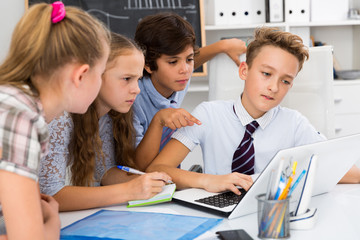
column 58, row 12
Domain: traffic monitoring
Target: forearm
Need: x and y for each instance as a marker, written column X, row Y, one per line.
column 352, row 176
column 206, row 53
column 115, row 176
column 51, row 228
column 149, row 146
column 77, row 198
column 182, row 178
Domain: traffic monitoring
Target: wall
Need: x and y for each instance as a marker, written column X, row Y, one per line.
column 10, row 13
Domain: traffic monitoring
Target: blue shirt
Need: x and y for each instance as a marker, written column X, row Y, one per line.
column 148, row 103
column 222, row 130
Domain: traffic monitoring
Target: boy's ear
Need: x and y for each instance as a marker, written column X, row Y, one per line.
column 147, row 68
column 243, row 69
column 79, row 73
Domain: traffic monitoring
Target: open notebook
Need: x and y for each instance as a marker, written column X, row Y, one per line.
column 164, row 196
column 335, row 158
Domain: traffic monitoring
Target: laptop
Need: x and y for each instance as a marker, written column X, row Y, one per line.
column 334, row 158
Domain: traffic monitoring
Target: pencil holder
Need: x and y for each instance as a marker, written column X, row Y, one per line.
column 273, row 218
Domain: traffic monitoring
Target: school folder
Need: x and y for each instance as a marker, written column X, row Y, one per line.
column 109, row 224
column 274, row 10
column 164, row 196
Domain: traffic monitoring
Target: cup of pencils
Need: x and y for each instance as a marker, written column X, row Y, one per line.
column 273, row 218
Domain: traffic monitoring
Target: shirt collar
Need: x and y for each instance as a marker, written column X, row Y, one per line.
column 156, row 98
column 245, row 117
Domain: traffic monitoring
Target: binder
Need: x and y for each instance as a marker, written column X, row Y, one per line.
column 297, row 11
column 274, row 10
column 218, row 12
column 252, row 11
column 329, row 10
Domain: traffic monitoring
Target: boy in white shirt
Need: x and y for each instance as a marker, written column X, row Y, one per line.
column 274, row 58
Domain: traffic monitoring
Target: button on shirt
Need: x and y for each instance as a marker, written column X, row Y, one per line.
column 222, row 130
column 149, row 102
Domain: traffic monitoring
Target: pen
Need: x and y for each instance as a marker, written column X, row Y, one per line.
column 134, row 171
column 297, row 182
column 286, row 190
column 130, row 170
column 280, row 188
column 277, row 177
column 284, row 193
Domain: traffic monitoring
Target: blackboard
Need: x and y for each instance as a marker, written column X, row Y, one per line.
column 122, row 16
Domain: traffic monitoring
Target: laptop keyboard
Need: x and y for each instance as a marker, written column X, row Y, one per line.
column 223, row 199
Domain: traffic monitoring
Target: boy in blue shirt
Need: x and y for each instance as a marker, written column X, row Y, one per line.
column 171, row 55
column 274, row 58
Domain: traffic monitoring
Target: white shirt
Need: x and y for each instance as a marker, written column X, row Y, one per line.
column 222, row 130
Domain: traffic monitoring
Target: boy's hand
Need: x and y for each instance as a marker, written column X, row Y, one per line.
column 234, row 47
column 176, row 118
column 147, row 185
column 220, row 183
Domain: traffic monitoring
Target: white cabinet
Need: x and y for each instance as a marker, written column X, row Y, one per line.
column 346, row 107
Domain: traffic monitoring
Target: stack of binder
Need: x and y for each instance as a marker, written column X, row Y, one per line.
column 297, row 11
column 234, row 12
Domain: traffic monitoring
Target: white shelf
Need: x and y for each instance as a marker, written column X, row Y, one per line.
column 283, row 24
column 326, row 24
column 341, row 82
column 245, row 26
column 198, row 86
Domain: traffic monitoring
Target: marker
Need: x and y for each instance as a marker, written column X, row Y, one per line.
column 297, row 181
column 134, row 171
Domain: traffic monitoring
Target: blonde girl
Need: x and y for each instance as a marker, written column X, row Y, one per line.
column 56, row 58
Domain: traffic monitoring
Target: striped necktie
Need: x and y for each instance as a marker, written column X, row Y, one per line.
column 167, row 132
column 244, row 156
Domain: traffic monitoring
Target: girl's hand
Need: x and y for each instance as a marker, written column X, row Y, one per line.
column 220, row 183
column 147, row 185
column 49, row 207
column 176, row 118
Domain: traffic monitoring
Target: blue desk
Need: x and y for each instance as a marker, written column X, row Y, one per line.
column 338, row 218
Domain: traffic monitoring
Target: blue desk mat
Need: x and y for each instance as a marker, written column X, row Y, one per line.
column 108, row 224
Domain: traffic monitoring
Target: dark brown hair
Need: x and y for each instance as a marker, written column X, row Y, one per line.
column 164, row 33
column 289, row 42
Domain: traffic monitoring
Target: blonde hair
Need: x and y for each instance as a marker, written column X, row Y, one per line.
column 289, row 42
column 39, row 47
column 85, row 145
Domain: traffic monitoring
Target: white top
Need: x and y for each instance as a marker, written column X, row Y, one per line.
column 222, row 130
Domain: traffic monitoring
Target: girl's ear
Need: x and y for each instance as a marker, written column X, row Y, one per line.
column 79, row 74
column 243, row 69
column 147, row 68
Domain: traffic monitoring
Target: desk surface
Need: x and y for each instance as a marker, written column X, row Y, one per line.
column 338, row 216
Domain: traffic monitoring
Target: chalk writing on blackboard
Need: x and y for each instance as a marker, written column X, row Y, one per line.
column 122, row 16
